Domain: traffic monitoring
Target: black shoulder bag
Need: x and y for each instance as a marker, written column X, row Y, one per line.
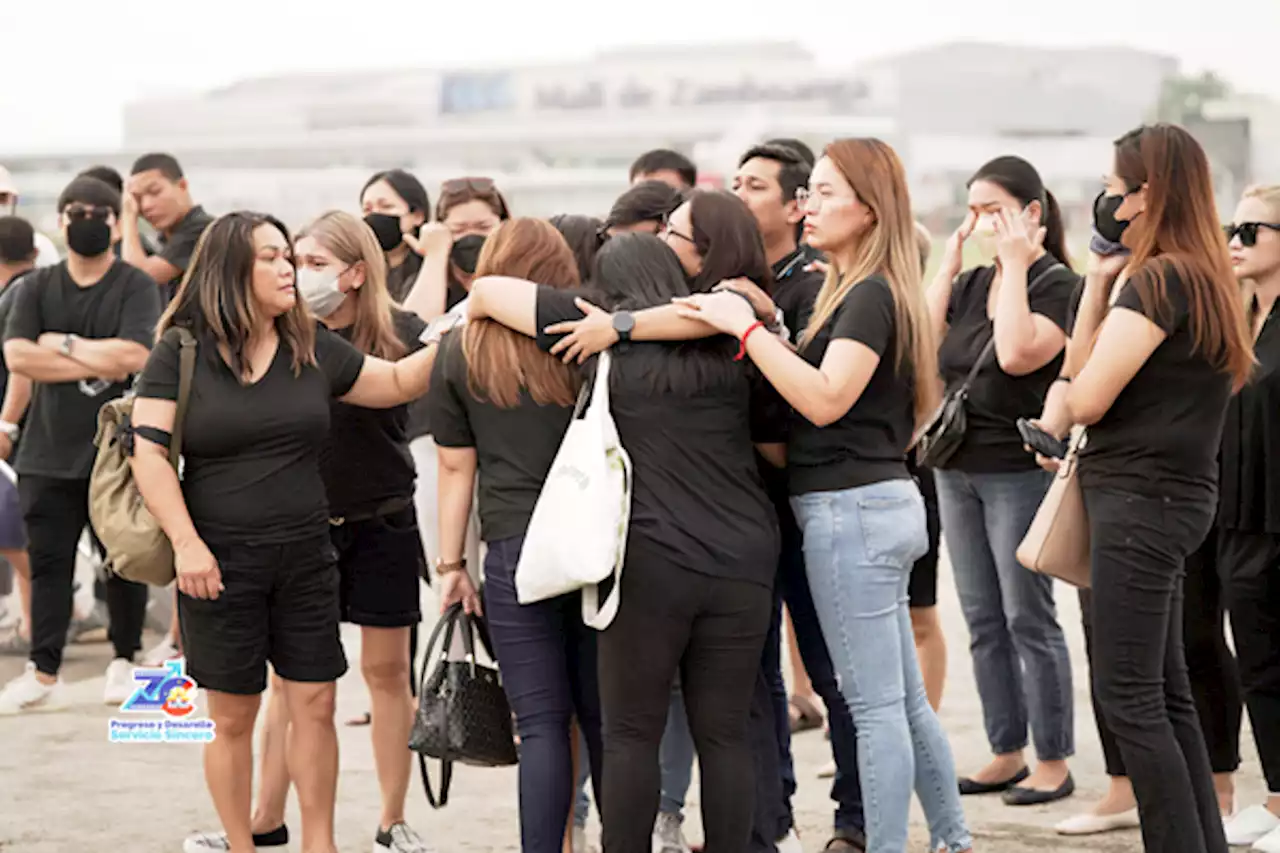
column 463, row 714
column 944, row 433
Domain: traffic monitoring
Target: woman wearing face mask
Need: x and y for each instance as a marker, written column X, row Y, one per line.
column 396, row 206
column 988, row 491
column 1249, row 512
column 368, row 476
column 1160, row 361
column 471, row 208
column 257, row 569
column 860, row 382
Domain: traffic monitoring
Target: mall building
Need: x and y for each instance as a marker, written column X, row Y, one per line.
column 559, row 138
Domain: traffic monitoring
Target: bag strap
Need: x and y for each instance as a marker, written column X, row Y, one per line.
column 991, row 344
column 446, row 780
column 597, row 393
column 186, row 373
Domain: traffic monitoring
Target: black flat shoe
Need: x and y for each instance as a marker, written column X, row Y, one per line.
column 847, row 840
column 968, row 787
column 1017, row 796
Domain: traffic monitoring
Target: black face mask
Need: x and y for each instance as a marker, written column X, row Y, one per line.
column 1104, row 217
column 466, row 252
column 386, row 228
column 89, row 237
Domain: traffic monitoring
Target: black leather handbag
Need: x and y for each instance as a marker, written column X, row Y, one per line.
column 944, row 433
column 463, row 714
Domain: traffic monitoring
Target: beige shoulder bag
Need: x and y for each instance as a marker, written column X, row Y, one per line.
column 1057, row 543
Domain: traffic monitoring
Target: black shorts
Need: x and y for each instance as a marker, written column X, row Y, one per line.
column 279, row 605
column 381, row 562
column 922, row 588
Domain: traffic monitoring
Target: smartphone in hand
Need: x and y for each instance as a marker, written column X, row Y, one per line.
column 1040, row 441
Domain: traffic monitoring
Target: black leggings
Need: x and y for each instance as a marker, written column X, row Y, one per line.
column 1215, row 682
column 712, row 630
column 1251, row 565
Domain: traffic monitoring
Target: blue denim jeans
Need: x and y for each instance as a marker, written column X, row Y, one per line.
column 548, row 660
column 859, row 546
column 1020, row 658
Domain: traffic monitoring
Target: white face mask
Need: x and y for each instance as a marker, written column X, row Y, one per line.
column 320, row 290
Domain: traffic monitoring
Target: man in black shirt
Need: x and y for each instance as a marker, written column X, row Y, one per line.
column 158, row 192
column 77, row 330
column 767, row 179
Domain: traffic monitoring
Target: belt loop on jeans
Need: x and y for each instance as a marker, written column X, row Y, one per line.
column 387, row 507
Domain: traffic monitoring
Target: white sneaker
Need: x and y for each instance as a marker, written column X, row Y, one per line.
column 216, row 842
column 26, row 694
column 1250, row 826
column 790, row 843
column 165, row 650
column 400, row 838
column 119, row 686
column 1269, row 843
column 1090, row 823
column 667, row 836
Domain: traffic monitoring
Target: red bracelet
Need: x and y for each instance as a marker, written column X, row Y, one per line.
column 742, row 347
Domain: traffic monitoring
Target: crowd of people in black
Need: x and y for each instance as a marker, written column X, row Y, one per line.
column 378, row 401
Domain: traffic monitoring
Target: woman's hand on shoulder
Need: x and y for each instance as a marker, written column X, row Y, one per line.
column 723, row 311
column 593, row 334
column 761, row 303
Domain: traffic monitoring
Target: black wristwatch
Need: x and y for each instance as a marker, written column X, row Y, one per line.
column 623, row 323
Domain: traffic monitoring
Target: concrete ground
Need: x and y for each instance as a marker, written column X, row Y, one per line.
column 65, row 789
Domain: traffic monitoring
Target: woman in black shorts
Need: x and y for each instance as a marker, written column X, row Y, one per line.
column 249, row 519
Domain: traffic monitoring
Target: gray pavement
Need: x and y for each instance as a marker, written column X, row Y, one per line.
column 65, row 789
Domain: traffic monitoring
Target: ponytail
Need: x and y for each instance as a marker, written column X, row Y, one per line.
column 1055, row 236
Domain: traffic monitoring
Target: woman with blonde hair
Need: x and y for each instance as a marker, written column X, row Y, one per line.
column 864, row 376
column 1249, row 506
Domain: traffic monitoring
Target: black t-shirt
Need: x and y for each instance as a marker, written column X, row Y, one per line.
column 697, row 500
column 179, row 246
column 868, row 443
column 514, row 447
column 1161, row 435
column 7, row 298
column 996, row 399
column 366, row 461
column 252, row 452
column 795, row 290
column 403, row 277
column 1249, row 492
column 62, row 420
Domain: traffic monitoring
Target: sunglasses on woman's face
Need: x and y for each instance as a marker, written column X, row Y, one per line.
column 1248, row 231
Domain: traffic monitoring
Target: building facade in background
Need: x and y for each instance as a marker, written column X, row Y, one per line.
column 559, row 138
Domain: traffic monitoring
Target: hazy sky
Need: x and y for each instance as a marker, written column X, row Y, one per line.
column 81, row 60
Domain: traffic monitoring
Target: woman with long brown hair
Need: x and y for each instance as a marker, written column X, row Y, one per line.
column 864, row 376
column 1162, row 362
column 499, row 408
column 249, row 520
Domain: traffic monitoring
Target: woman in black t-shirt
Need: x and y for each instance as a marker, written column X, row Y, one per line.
column 500, row 408
column 249, row 518
column 1249, row 508
column 1161, row 365
column 696, row 588
column 1007, row 317
column 862, row 379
